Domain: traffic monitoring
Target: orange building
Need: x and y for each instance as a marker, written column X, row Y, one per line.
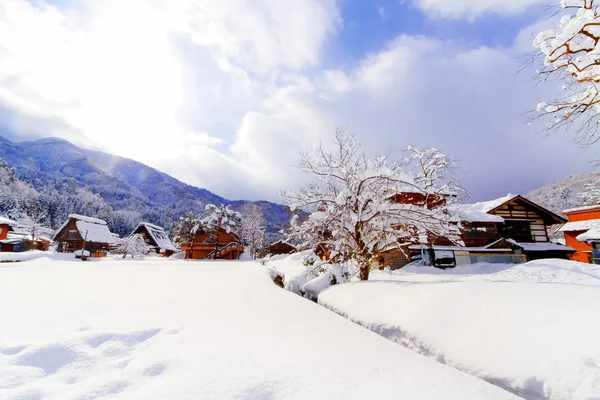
column 581, row 220
column 220, row 245
column 5, row 227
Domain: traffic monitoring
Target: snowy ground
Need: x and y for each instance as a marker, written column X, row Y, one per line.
column 158, row 329
column 531, row 328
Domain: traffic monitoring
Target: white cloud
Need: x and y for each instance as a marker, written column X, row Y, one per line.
column 473, row 8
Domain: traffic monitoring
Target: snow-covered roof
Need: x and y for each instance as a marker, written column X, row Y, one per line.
column 543, row 246
column 87, row 219
column 281, row 241
column 6, row 221
column 479, row 212
column 459, row 248
column 580, row 225
column 592, row 235
column 159, row 236
column 95, row 233
column 584, row 208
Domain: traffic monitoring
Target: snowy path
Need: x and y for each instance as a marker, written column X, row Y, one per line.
column 162, row 329
column 532, row 329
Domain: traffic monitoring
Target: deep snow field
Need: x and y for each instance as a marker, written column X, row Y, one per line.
column 532, row 328
column 173, row 329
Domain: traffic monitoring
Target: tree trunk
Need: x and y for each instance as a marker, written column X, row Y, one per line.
column 364, row 272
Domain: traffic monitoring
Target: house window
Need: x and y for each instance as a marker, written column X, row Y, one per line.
column 517, row 230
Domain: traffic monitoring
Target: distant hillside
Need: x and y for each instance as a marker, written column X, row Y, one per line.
column 125, row 185
column 565, row 193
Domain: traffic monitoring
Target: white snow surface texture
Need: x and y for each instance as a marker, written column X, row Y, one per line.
column 531, row 328
column 174, row 329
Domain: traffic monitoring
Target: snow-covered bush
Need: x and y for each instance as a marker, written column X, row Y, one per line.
column 253, row 230
column 306, row 274
column 134, row 245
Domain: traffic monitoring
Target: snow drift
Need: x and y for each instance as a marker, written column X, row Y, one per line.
column 532, row 329
column 157, row 329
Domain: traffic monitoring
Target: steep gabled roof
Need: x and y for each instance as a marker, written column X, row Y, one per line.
column 484, row 211
column 555, row 217
column 90, row 229
column 158, row 235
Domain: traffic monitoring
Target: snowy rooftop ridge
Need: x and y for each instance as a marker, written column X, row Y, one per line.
column 6, row 221
column 541, row 246
column 580, row 225
column 90, row 220
column 583, row 208
column 479, row 212
column 151, row 225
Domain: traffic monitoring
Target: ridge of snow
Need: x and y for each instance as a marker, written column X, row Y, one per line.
column 90, row 220
column 584, row 208
column 6, row 221
column 479, row 212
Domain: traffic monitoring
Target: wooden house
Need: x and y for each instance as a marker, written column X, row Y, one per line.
column 156, row 237
column 282, row 247
column 221, row 244
column 84, row 233
column 582, row 233
column 510, row 229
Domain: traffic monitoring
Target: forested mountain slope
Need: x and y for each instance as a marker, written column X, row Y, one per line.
column 122, row 190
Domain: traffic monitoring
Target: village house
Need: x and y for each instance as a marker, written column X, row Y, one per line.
column 156, row 237
column 6, row 225
column 511, row 229
column 281, row 247
column 15, row 238
column 84, row 233
column 582, row 233
column 221, row 244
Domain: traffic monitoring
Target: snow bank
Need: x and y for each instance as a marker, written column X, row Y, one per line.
column 532, row 328
column 33, row 255
column 305, row 274
column 160, row 329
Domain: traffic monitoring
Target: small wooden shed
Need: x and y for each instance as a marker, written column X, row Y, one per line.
column 156, row 236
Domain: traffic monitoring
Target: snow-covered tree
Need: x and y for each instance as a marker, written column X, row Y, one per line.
column 253, row 229
column 571, row 54
column 133, row 245
column 186, row 228
column 351, row 197
column 221, row 216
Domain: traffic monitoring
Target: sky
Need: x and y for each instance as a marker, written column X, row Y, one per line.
column 222, row 94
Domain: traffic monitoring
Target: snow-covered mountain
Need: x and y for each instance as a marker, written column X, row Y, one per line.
column 124, row 184
column 565, row 193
